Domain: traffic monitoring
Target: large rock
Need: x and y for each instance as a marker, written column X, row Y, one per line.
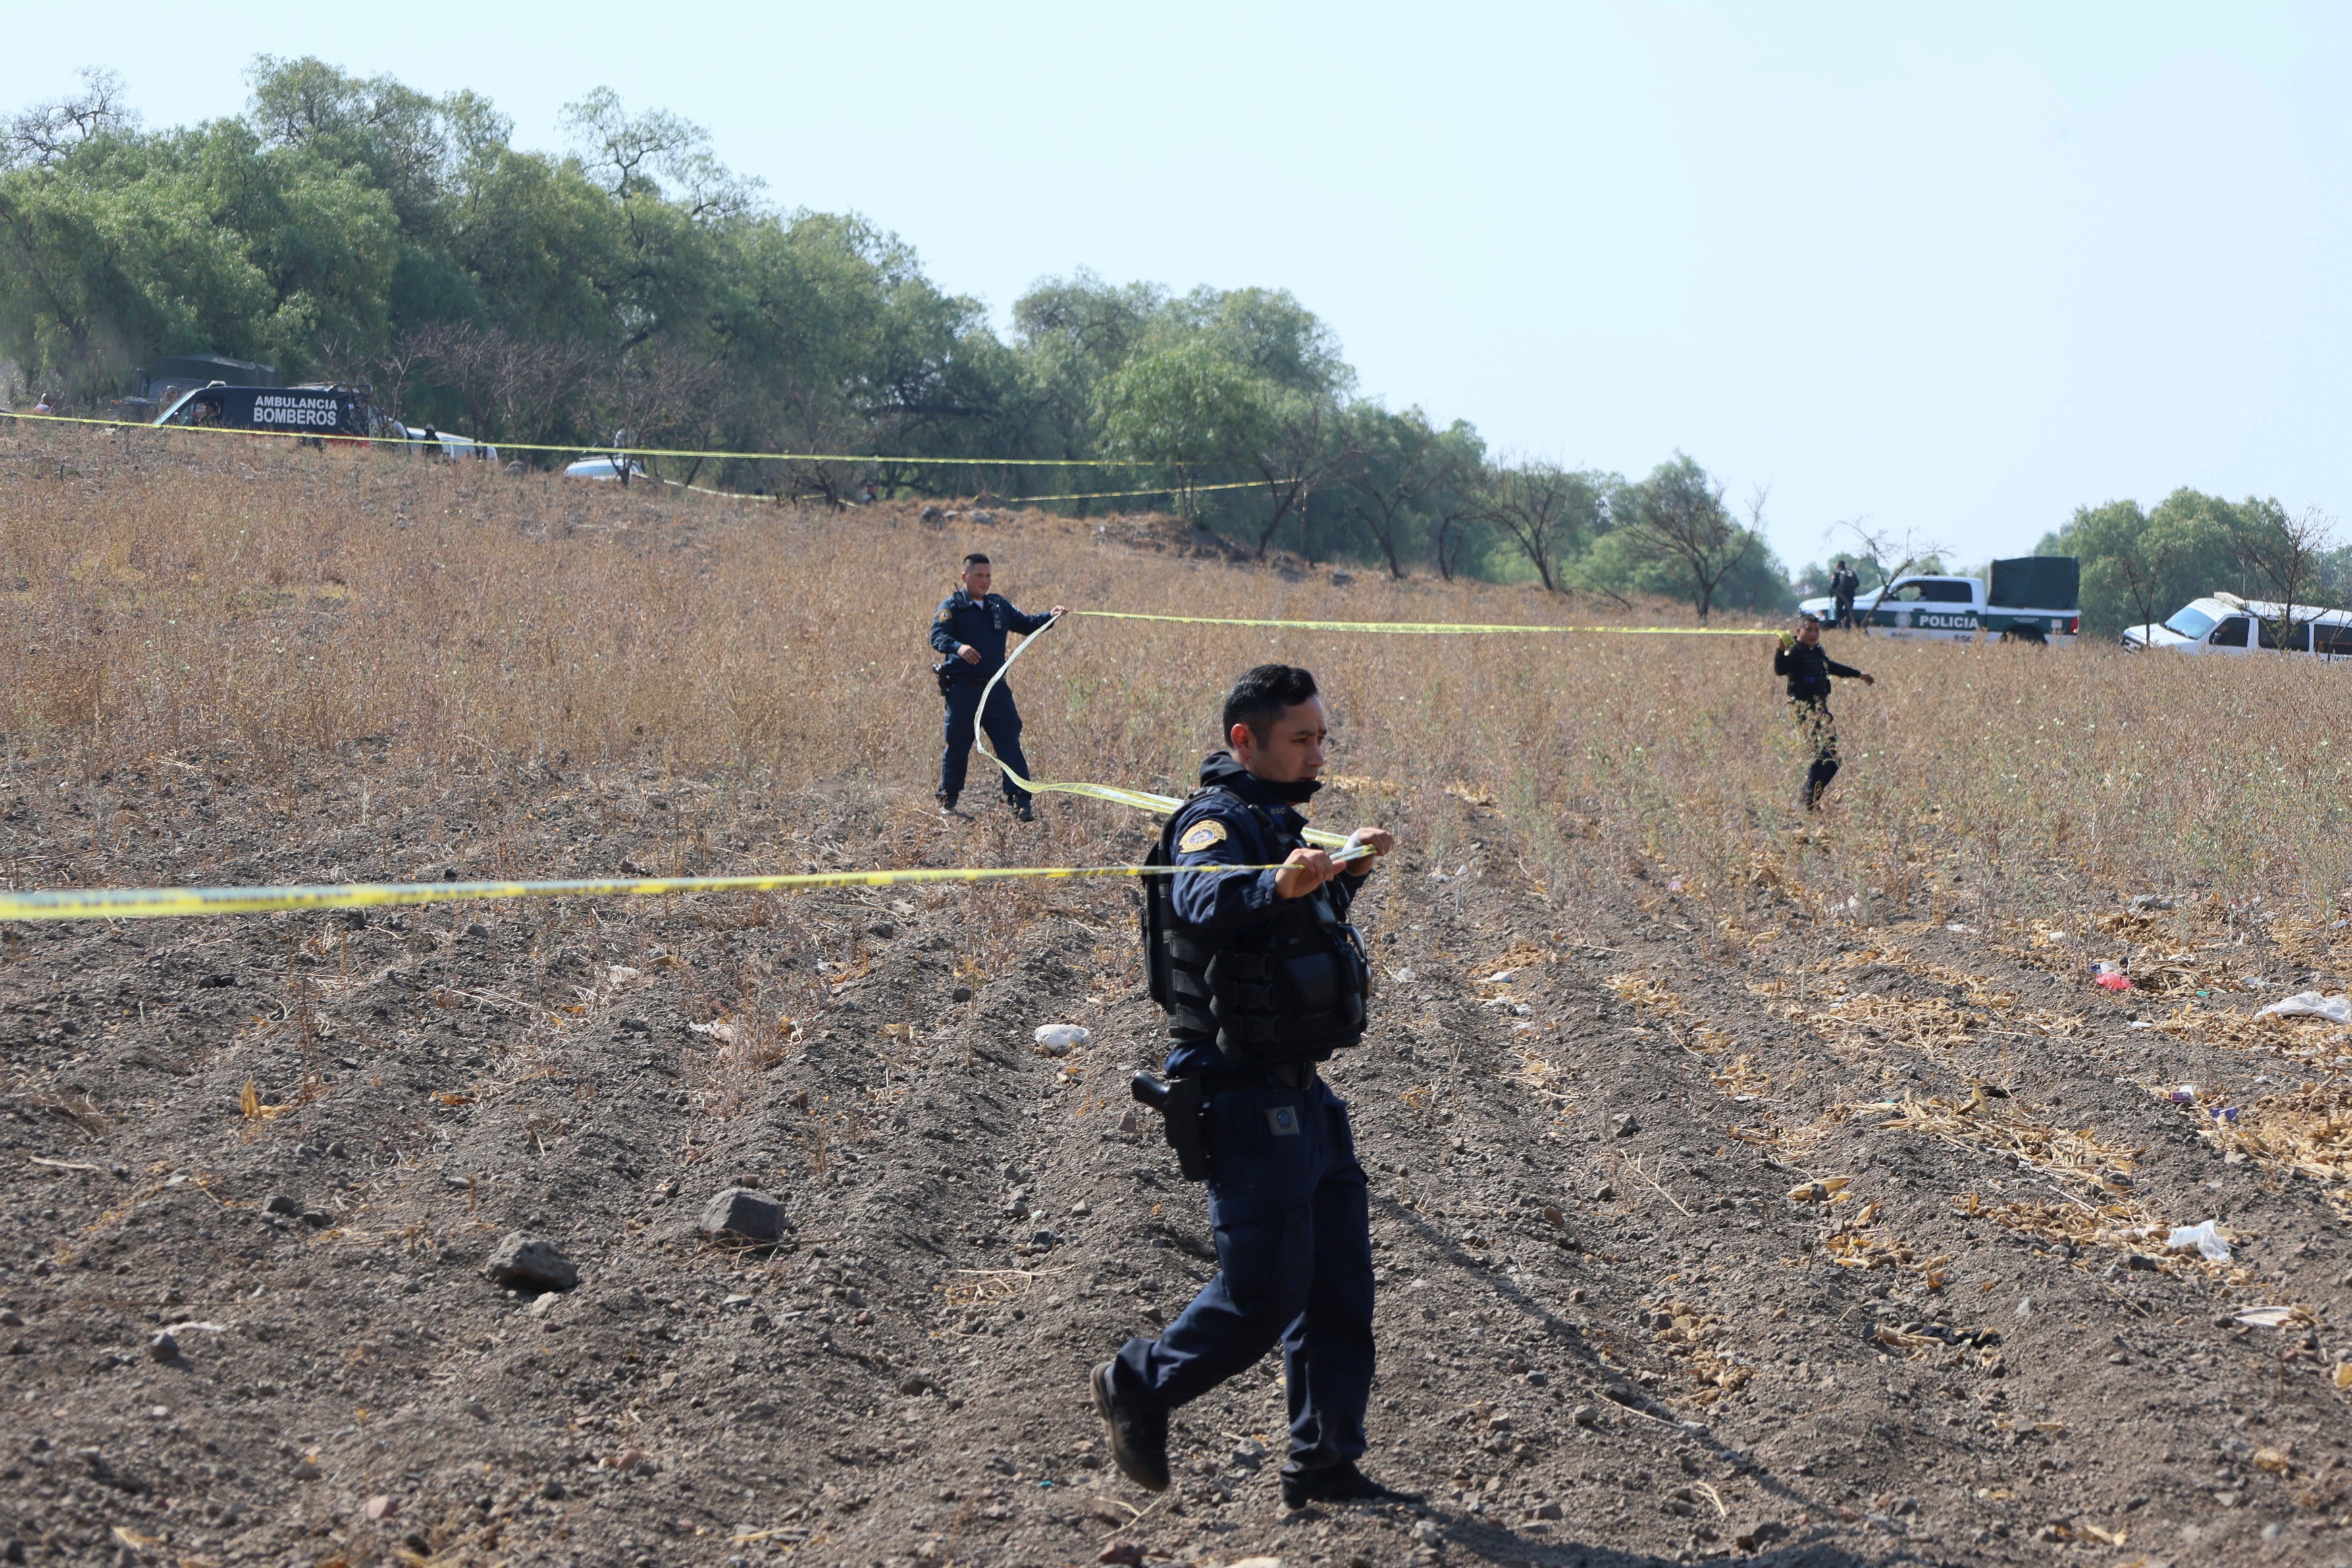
column 525, row 1262
column 746, row 1213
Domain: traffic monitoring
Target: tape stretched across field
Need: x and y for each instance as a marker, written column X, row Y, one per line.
column 1431, row 628
column 621, row 451
column 158, row 903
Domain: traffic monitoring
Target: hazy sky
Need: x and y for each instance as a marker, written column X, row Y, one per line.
column 1955, row 269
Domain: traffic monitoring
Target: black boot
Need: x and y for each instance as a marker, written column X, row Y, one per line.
column 1137, row 1438
column 1336, row 1483
column 946, row 798
column 1021, row 810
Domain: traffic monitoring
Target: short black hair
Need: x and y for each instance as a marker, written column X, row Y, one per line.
column 975, row 559
column 1262, row 695
column 1807, row 619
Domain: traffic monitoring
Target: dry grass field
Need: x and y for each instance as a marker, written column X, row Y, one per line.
column 1747, row 1186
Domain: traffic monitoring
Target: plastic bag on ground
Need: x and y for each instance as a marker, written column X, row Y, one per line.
column 1057, row 1039
column 2338, row 1009
column 2206, row 1238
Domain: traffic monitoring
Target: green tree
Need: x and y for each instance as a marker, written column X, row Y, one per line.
column 1182, row 409
column 2140, row 566
column 1678, row 521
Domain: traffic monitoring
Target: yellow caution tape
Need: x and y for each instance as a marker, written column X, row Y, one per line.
column 1430, row 629
column 152, row 903
column 997, row 501
column 612, row 450
column 1142, row 800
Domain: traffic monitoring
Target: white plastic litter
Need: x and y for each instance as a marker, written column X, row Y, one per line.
column 2335, row 1008
column 1964, row 931
column 1498, row 977
column 719, row 1029
column 1401, row 976
column 1059, row 1039
column 2205, row 1237
column 2265, row 1316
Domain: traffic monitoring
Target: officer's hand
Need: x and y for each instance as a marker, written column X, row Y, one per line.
column 969, row 654
column 1059, row 611
column 1867, row 681
column 1379, row 840
column 1306, row 870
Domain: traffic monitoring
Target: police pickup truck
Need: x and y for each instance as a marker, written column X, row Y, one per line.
column 2033, row 598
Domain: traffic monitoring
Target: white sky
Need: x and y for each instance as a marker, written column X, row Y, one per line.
column 1957, row 269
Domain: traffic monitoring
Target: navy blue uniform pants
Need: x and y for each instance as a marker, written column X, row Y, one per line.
column 1002, row 723
column 1287, row 1202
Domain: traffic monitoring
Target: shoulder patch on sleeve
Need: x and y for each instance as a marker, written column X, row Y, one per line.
column 1201, row 834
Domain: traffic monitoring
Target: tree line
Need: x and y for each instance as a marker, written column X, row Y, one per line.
column 2140, row 565
column 632, row 289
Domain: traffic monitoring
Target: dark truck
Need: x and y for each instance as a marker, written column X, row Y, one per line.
column 323, row 410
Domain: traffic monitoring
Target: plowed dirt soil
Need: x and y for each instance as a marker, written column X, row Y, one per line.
column 1795, row 1241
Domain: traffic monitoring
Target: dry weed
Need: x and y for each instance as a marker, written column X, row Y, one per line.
column 1990, row 1122
column 220, row 612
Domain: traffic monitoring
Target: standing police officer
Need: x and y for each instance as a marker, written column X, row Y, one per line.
column 1843, row 586
column 1263, row 979
column 969, row 632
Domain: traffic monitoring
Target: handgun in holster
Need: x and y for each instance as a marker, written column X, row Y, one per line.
column 1177, row 1100
column 944, row 673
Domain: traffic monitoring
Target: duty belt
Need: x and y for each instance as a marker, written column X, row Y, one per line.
column 1277, row 1075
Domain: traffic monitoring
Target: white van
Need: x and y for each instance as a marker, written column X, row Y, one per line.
column 2224, row 623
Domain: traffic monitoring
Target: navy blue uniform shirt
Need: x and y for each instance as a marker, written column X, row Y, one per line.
column 981, row 624
column 1238, row 900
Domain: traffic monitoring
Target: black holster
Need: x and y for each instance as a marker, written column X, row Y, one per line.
column 944, row 671
column 1178, row 1101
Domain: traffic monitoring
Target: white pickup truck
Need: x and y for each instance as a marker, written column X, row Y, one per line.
column 2033, row 598
column 2226, row 624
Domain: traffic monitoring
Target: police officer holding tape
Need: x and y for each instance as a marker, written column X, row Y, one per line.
column 969, row 629
column 1261, row 978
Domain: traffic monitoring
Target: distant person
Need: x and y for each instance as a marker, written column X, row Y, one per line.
column 1801, row 661
column 47, row 404
column 429, row 444
column 969, row 631
column 1843, row 586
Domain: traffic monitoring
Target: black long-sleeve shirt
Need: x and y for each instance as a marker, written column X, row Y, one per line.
column 1808, row 667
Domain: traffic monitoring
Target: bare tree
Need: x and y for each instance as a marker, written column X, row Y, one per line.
column 1679, row 517
column 1303, row 443
column 664, row 396
column 510, row 387
column 1881, row 545
column 45, row 133
column 2146, row 569
column 1544, row 510
column 2284, row 552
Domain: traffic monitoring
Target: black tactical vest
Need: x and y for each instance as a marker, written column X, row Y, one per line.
column 1291, row 988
